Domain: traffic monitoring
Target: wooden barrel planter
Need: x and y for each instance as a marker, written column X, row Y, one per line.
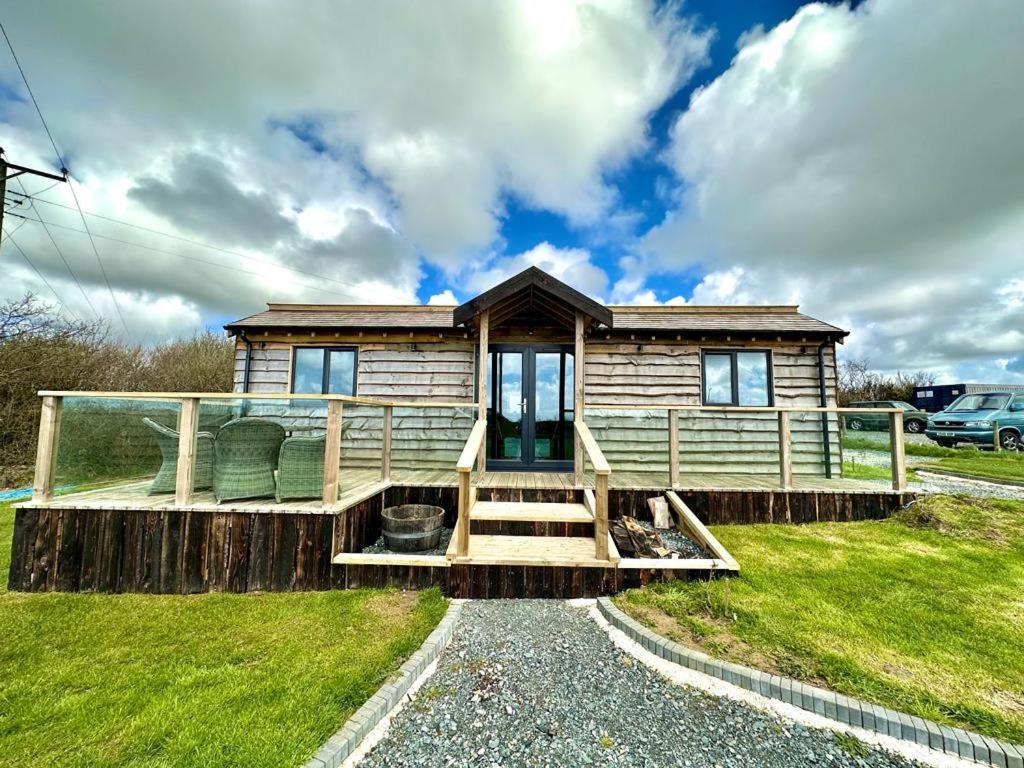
column 412, row 527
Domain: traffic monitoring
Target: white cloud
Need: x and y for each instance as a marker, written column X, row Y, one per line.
column 868, row 164
column 347, row 140
column 444, row 298
column 570, row 265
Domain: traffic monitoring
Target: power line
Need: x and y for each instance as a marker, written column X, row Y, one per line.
column 46, row 282
column 174, row 253
column 59, row 252
column 64, row 170
column 201, row 244
column 95, row 251
column 60, row 160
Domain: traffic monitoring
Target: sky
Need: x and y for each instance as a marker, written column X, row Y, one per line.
column 864, row 161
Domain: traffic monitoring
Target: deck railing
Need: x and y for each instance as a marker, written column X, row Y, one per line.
column 472, row 455
column 329, row 412
column 784, row 432
column 598, row 505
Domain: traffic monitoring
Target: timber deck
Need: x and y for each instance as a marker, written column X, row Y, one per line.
column 357, row 484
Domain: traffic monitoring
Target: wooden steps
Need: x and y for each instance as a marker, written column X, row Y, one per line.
column 534, row 512
column 564, row 551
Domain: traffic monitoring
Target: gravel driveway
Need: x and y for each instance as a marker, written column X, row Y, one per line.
column 933, row 483
column 539, row 683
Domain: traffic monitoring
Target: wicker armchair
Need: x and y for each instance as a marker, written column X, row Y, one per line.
column 300, row 468
column 202, row 468
column 246, row 457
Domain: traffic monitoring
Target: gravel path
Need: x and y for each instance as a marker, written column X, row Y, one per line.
column 933, row 483
column 539, row 683
column 378, row 548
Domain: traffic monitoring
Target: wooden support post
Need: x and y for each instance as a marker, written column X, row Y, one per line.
column 601, row 517
column 578, row 371
column 462, row 525
column 673, row 448
column 332, row 453
column 485, row 360
column 385, row 456
column 995, row 437
column 898, row 458
column 46, row 450
column 785, row 452
column 188, row 430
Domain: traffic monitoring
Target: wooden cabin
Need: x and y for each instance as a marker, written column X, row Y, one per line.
column 532, row 414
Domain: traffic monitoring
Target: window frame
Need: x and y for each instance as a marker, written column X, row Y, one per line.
column 732, row 352
column 326, row 367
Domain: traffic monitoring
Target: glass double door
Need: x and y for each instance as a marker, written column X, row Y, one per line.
column 530, row 407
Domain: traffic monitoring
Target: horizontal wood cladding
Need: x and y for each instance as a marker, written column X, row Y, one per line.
column 666, row 373
column 439, row 372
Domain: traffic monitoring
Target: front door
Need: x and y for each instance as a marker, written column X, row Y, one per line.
column 530, row 407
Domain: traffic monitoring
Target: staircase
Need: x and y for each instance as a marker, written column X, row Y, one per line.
column 547, row 541
column 543, row 545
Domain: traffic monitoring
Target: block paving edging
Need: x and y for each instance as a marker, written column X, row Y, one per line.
column 365, row 719
column 844, row 709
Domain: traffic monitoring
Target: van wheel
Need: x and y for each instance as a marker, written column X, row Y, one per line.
column 915, row 427
column 855, row 424
column 1009, row 440
column 946, row 443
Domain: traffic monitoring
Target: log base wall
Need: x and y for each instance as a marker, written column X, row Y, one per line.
column 185, row 552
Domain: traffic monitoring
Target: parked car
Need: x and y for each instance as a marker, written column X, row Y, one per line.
column 970, row 418
column 914, row 420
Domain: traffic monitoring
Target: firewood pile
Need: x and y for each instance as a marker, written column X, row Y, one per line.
column 633, row 540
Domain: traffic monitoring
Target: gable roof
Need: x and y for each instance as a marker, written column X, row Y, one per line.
column 538, row 287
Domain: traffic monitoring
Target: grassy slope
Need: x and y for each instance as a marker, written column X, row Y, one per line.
column 923, row 614
column 202, row 680
column 1002, row 465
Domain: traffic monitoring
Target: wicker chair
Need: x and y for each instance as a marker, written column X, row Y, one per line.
column 202, row 468
column 246, row 457
column 300, row 468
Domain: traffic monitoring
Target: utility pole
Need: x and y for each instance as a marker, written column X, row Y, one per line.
column 10, row 171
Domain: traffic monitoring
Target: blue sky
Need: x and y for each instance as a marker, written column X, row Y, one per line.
column 861, row 160
column 636, row 185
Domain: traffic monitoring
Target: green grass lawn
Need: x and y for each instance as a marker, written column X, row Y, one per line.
column 1004, row 465
column 923, row 613
column 990, row 465
column 854, row 471
column 201, row 680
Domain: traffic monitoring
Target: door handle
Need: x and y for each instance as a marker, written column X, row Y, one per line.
column 524, row 406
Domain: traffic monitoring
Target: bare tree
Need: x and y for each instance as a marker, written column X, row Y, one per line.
column 857, row 382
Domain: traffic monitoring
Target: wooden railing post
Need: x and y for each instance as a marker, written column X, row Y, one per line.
column 578, row 396
column 464, row 467
column 785, row 452
column 485, row 360
column 385, row 457
column 995, row 437
column 332, row 453
column 897, row 457
column 601, row 517
column 462, row 525
column 46, row 450
column 673, row 448
column 188, row 430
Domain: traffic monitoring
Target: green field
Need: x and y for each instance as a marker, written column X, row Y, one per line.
column 923, row 613
column 200, row 680
column 967, row 461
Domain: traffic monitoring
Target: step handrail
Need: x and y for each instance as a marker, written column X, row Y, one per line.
column 602, row 470
column 467, row 460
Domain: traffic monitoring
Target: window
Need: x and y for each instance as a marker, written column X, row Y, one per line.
column 324, row 371
column 737, row 378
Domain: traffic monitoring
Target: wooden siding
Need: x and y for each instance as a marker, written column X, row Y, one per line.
column 632, row 374
column 421, row 438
